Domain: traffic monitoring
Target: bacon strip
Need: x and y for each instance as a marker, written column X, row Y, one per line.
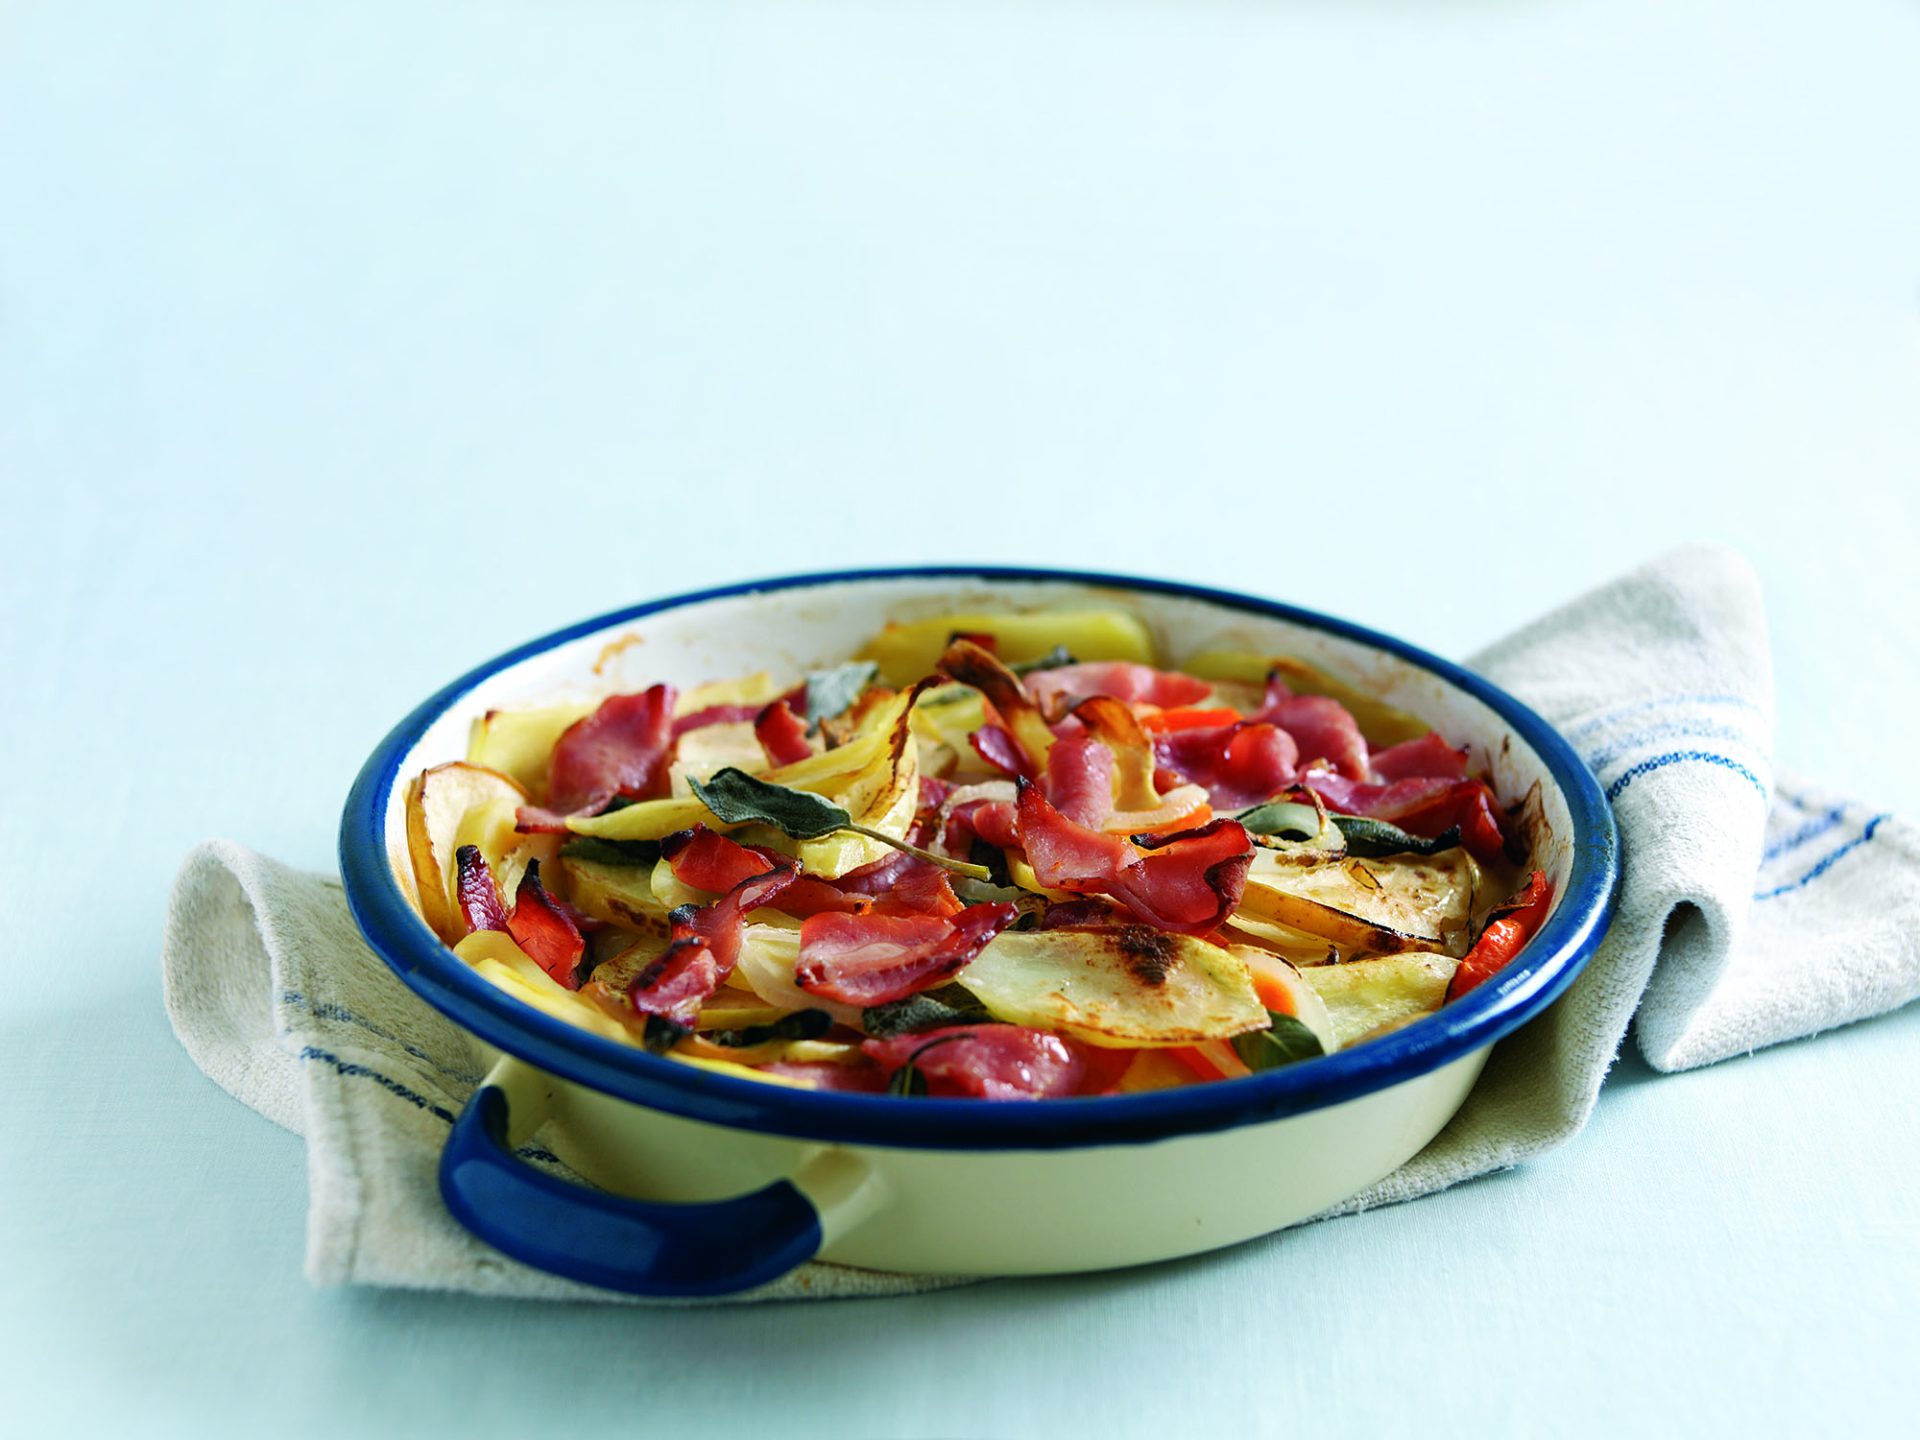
column 995, row 745
column 1416, row 759
column 712, row 715
column 621, row 749
column 705, row 946
column 871, row 959
column 707, row 860
column 1240, row 765
column 1322, row 728
column 988, row 1062
column 1188, row 882
column 541, row 926
column 782, row 734
column 901, row 884
column 1080, row 780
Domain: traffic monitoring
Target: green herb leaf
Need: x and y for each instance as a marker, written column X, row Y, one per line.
column 829, row 692
column 1369, row 839
column 930, row 1010
column 611, row 852
column 796, row 1025
column 660, row 1034
column 1052, row 660
column 1284, row 1041
column 907, row 1080
column 1374, row 838
column 740, row 799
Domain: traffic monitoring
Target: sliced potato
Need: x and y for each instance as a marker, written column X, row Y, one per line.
column 1381, row 723
column 461, row 804
column 732, row 1009
column 907, row 650
column 646, row 820
column 1131, row 986
column 792, row 1052
column 494, row 955
column 1375, row 904
column 1364, row 995
column 1296, row 947
column 620, row 894
column 519, row 743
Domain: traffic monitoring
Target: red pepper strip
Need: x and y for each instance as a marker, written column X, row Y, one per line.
column 1187, row 717
column 1510, row 927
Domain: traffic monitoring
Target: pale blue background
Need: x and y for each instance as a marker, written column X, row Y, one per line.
column 343, row 345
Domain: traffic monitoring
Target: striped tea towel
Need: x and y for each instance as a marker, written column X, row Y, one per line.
column 1753, row 910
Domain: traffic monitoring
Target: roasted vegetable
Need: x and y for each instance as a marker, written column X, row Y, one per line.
column 1365, row 996
column 995, row 855
column 1129, row 986
column 461, row 804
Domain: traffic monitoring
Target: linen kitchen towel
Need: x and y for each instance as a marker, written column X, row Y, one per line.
column 1753, row 909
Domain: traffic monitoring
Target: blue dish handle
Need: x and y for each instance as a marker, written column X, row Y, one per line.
column 641, row 1247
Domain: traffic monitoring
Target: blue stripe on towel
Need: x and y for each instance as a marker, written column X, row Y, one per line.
column 1826, row 864
column 327, row 1010
column 1678, row 729
column 1677, row 757
column 1620, row 712
column 1811, row 830
column 412, row 1097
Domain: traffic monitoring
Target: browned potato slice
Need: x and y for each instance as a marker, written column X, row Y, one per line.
column 619, row 894
column 1394, row 903
column 1127, row 987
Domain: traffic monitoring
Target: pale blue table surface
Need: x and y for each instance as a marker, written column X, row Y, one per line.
column 343, row 345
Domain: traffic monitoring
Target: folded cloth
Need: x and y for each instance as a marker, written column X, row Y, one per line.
column 1752, row 910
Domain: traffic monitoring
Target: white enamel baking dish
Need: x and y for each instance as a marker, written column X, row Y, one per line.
column 711, row 1184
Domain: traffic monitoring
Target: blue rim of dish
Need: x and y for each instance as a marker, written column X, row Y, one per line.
column 1525, row 987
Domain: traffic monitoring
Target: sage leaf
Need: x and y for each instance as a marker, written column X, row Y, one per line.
column 737, row 798
column 930, row 1010
column 1284, row 1041
column 796, row 1025
column 611, row 852
column 1375, row 838
column 830, row 692
column 1369, row 839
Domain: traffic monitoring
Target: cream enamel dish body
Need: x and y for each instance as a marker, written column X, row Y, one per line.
column 709, row 1184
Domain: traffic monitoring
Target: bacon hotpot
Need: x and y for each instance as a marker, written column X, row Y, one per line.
column 707, row 1184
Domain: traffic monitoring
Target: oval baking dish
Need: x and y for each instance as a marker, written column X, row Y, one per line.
column 710, row 1184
